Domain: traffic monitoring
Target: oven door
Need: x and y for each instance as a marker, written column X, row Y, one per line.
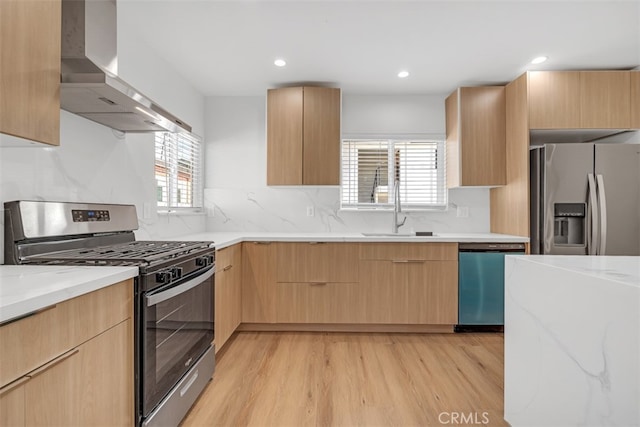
column 177, row 328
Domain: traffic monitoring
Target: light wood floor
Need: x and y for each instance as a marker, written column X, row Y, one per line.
column 348, row 379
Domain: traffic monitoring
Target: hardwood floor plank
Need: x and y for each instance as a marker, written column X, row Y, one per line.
column 354, row 379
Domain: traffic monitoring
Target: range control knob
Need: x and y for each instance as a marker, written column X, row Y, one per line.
column 163, row 276
column 176, row 273
column 203, row 261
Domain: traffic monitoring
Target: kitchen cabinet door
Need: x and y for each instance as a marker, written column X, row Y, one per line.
column 384, row 286
column 259, row 266
column 105, row 375
column 321, row 136
column 605, row 99
column 228, row 309
column 554, row 99
column 284, row 136
column 30, row 34
column 635, row 99
column 475, row 124
column 432, row 292
column 303, row 136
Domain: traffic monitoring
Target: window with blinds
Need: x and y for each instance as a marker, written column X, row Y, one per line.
column 178, row 170
column 371, row 168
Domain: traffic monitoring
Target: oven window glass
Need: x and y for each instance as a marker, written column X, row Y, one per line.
column 177, row 331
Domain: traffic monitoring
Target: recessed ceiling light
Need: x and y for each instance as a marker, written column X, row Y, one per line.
column 280, row 62
column 539, row 60
column 403, row 74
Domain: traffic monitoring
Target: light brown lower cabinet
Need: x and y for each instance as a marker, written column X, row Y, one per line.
column 410, row 291
column 396, row 284
column 259, row 262
column 319, row 302
column 89, row 385
column 83, row 376
column 228, row 293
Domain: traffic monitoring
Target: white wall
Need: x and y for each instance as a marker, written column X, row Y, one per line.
column 236, row 195
column 143, row 68
column 97, row 164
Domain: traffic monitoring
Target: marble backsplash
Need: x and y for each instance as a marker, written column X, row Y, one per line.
column 92, row 164
column 284, row 209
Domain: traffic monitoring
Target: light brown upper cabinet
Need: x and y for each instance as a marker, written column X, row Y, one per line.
column 635, row 99
column 554, row 99
column 303, row 136
column 475, row 124
column 30, row 34
column 580, row 99
column 605, row 99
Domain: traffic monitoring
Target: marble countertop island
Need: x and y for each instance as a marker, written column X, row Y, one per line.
column 572, row 340
column 27, row 288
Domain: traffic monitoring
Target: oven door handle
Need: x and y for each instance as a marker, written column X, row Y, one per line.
column 161, row 296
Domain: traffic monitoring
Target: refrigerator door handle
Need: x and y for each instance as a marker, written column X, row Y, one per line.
column 592, row 216
column 602, row 205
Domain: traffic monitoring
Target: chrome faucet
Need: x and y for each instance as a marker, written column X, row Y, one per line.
column 396, row 207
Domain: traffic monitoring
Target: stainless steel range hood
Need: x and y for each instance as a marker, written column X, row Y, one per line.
column 90, row 86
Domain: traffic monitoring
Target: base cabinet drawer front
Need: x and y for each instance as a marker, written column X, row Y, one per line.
column 57, row 329
column 409, row 251
column 317, row 262
column 90, row 385
column 412, row 292
column 319, row 302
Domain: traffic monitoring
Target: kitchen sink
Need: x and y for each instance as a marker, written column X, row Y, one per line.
column 416, row 234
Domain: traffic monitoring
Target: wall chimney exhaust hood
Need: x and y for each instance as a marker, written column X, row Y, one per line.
column 90, row 86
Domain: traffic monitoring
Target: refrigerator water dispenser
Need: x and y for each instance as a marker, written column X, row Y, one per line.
column 569, row 223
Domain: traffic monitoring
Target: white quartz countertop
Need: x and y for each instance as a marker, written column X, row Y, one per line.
column 224, row 239
column 25, row 288
column 621, row 269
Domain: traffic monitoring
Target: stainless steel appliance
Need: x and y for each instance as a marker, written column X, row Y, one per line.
column 481, row 284
column 89, row 82
column 585, row 199
column 174, row 292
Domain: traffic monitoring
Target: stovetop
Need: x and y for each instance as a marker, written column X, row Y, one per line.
column 136, row 253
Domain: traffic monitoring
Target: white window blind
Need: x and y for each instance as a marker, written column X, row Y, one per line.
column 370, row 169
column 178, row 170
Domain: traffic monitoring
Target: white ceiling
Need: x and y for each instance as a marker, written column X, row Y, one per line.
column 228, row 47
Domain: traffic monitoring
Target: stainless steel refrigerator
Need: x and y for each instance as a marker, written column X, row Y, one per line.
column 585, row 199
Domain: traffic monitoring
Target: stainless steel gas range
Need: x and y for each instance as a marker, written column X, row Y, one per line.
column 174, row 292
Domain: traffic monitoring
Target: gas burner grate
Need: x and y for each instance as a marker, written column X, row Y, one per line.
column 132, row 253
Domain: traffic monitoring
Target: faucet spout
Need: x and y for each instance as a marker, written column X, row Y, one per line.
column 397, row 208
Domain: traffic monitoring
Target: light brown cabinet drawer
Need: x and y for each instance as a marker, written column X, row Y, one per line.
column 28, row 343
column 317, row 262
column 408, row 251
column 319, row 302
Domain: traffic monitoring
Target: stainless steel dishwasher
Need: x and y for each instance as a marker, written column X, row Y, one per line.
column 481, row 284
